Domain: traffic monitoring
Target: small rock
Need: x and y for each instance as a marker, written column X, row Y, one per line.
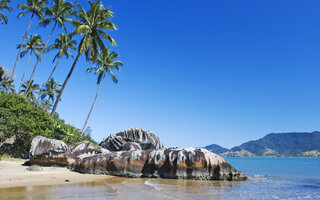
column 34, row 168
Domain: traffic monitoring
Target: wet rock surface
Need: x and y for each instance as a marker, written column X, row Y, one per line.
column 135, row 153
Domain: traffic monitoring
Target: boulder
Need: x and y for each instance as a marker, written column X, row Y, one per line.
column 85, row 149
column 8, row 147
column 48, row 152
column 176, row 163
column 146, row 140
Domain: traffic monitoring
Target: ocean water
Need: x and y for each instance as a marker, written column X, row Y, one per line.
column 269, row 178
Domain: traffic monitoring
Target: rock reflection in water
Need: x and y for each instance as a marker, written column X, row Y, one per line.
column 121, row 188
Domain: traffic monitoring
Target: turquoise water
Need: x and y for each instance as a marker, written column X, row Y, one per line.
column 279, row 178
column 269, row 178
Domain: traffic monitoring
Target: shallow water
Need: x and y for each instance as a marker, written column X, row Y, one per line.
column 269, row 178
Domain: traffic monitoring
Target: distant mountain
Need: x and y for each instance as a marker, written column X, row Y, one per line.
column 279, row 145
column 216, row 149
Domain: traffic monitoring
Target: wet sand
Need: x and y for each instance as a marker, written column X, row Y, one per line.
column 14, row 174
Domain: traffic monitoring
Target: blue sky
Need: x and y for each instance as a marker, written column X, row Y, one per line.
column 195, row 72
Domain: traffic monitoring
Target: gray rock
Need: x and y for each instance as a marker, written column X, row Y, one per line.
column 146, row 139
column 131, row 146
column 189, row 163
column 34, row 168
column 86, row 148
column 48, row 152
column 8, row 147
column 113, row 143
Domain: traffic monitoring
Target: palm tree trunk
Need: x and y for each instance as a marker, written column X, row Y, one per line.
column 24, row 37
column 44, row 85
column 94, row 101
column 64, row 85
column 24, row 73
column 42, row 51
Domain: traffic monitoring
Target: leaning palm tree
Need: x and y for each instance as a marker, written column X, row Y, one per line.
column 35, row 8
column 58, row 14
column 31, row 91
column 91, row 24
column 51, row 90
column 34, row 44
column 63, row 43
column 105, row 62
column 4, row 6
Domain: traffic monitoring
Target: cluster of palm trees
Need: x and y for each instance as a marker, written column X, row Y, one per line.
column 92, row 25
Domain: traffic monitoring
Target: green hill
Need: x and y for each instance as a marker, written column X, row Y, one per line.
column 279, row 144
column 216, row 149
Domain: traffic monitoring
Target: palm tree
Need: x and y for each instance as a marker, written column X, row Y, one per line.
column 4, row 6
column 31, row 91
column 46, row 104
column 34, row 44
column 91, row 24
column 51, row 90
column 6, row 84
column 35, row 8
column 59, row 12
column 105, row 62
column 63, row 43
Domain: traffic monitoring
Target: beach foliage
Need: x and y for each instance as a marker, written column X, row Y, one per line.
column 19, row 117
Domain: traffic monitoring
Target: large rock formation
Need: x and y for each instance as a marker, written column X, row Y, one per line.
column 47, row 152
column 135, row 153
column 176, row 163
column 146, row 139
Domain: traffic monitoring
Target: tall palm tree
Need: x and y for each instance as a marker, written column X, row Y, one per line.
column 59, row 13
column 91, row 24
column 35, row 8
column 51, row 90
column 105, row 62
column 63, row 43
column 4, row 6
column 34, row 44
column 31, row 91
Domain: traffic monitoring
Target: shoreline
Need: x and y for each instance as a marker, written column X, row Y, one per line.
column 14, row 174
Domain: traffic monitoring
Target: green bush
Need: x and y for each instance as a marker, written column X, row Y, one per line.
column 21, row 118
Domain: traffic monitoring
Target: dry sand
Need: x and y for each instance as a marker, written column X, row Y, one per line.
column 14, row 174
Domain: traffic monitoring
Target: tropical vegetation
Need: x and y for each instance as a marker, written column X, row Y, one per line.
column 30, row 109
column 4, row 6
column 21, row 119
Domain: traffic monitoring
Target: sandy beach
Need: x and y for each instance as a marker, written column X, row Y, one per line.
column 14, row 174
